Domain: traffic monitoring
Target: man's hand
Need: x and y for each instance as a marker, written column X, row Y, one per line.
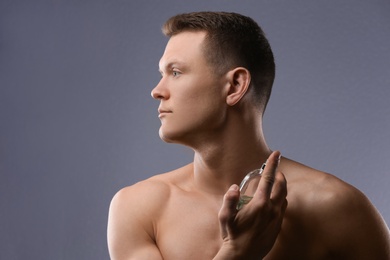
column 251, row 232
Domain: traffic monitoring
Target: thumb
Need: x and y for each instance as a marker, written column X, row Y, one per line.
column 228, row 210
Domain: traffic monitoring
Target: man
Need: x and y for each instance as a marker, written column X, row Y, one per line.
column 217, row 73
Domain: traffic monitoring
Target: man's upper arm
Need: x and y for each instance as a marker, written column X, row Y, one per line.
column 369, row 231
column 130, row 228
column 359, row 232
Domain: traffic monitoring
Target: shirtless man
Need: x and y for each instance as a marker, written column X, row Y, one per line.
column 217, row 73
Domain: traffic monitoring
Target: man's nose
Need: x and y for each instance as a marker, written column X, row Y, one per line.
column 160, row 91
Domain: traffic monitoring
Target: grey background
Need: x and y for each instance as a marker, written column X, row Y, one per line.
column 77, row 122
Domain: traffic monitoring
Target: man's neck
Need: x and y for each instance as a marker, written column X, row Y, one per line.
column 226, row 161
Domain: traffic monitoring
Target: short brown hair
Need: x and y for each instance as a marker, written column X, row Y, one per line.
column 232, row 40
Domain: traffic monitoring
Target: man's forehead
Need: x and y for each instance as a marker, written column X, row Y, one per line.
column 182, row 48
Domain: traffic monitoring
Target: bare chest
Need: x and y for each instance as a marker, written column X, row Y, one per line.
column 189, row 229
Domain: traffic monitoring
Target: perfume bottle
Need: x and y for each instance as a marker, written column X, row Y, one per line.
column 249, row 185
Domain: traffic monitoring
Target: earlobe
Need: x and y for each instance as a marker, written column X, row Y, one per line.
column 239, row 81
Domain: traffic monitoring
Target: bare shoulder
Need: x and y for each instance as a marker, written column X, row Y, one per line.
column 150, row 195
column 340, row 215
column 134, row 211
column 146, row 195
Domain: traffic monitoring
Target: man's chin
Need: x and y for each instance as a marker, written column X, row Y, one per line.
column 170, row 137
column 166, row 140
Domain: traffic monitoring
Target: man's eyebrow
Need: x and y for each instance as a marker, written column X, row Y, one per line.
column 171, row 65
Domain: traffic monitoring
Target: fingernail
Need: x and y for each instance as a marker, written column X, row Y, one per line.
column 234, row 187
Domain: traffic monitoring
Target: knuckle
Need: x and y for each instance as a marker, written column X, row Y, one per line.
column 269, row 178
column 262, row 205
column 270, row 208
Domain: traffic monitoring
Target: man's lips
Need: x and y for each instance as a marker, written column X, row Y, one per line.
column 162, row 112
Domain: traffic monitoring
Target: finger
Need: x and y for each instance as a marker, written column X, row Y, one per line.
column 268, row 176
column 228, row 210
column 279, row 191
column 280, row 216
column 284, row 206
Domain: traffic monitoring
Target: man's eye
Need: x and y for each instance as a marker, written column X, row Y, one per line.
column 175, row 73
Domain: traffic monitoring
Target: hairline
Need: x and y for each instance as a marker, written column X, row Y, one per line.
column 206, row 46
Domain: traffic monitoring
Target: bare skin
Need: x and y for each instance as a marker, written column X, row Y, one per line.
column 190, row 213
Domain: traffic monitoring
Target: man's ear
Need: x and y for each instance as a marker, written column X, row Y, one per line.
column 239, row 81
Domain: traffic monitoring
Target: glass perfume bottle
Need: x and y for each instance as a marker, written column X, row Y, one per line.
column 249, row 185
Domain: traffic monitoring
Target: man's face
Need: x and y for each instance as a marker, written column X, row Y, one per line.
column 192, row 99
